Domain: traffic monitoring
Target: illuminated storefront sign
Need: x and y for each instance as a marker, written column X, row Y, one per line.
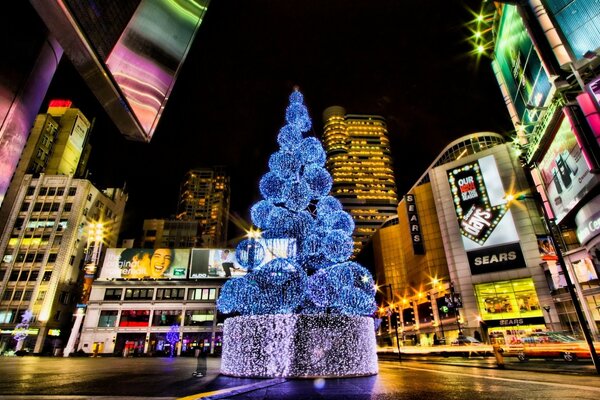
column 30, row 331
column 145, row 264
column 508, row 302
column 486, row 225
column 53, row 332
column 414, row 225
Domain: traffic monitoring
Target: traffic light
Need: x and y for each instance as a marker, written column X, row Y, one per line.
column 429, row 306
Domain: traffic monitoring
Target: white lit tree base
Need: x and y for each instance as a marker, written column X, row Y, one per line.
column 299, row 346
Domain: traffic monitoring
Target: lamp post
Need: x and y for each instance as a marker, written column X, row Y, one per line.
column 552, row 228
column 394, row 314
column 93, row 251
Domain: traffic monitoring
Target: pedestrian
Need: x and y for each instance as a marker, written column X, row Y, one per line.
column 201, row 362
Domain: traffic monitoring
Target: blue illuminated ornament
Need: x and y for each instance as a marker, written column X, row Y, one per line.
column 319, row 181
column 274, row 188
column 312, row 151
column 327, row 205
column 173, row 337
column 285, row 164
column 289, row 137
column 299, row 196
column 249, row 253
column 260, row 213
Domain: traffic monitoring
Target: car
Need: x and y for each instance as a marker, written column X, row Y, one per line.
column 469, row 346
column 465, row 341
column 550, row 345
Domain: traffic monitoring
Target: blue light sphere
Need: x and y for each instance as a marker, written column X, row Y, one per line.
column 249, row 253
column 319, row 180
column 286, row 164
column 274, row 188
column 337, row 246
column 259, row 213
column 327, row 205
column 299, row 196
column 289, row 137
column 296, row 114
column 312, row 151
column 283, row 285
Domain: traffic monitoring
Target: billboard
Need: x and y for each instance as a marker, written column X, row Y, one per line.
column 486, row 225
column 519, row 69
column 565, row 172
column 578, row 22
column 128, row 52
column 224, row 263
column 145, row 264
column 215, row 263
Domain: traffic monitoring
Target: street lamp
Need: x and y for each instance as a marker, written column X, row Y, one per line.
column 552, row 228
column 394, row 314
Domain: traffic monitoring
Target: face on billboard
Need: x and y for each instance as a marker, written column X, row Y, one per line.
column 145, row 263
column 565, row 172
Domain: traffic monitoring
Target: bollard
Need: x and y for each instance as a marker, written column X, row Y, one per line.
column 498, row 354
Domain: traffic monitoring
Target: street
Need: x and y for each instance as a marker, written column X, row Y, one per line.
column 171, row 378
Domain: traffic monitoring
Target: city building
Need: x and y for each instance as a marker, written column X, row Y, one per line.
column 44, row 250
column 57, row 145
column 546, row 57
column 462, row 259
column 205, row 197
column 171, row 233
column 360, row 162
column 162, row 301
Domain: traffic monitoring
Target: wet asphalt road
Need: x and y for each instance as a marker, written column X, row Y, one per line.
column 171, row 378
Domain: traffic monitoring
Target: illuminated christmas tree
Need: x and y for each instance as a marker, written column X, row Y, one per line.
column 308, row 314
column 296, row 205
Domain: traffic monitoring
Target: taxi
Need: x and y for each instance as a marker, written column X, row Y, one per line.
column 549, row 345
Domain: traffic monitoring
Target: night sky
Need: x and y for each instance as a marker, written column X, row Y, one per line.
column 408, row 61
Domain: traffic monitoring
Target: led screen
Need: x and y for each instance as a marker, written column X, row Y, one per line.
column 565, row 172
column 132, row 77
column 145, row 264
column 578, row 21
column 519, row 68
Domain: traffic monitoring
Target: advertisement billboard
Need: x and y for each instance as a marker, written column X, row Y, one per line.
column 486, row 225
column 145, row 264
column 564, row 171
column 578, row 22
column 519, row 68
column 215, row 263
column 224, row 263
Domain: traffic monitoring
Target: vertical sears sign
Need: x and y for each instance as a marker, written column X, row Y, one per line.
column 488, row 232
column 413, row 223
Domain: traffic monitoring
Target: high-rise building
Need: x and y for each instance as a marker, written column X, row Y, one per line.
column 57, row 141
column 43, row 251
column 57, row 145
column 205, row 197
column 171, row 233
column 360, row 162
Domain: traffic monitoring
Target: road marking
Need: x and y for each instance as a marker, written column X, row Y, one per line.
column 218, row 394
column 563, row 385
